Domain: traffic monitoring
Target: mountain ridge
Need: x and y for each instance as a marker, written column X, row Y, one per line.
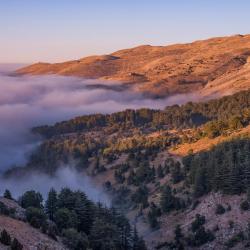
column 216, row 65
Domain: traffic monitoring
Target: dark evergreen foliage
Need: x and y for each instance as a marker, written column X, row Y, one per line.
column 80, row 222
column 35, row 216
column 226, row 167
column 31, row 199
column 7, row 194
column 5, row 238
column 220, row 209
column 51, row 204
column 187, row 115
column 16, row 245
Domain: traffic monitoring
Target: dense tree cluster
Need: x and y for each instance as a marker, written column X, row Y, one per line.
column 187, row 115
column 226, row 168
column 80, row 222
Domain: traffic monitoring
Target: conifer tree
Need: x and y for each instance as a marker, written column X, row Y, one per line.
column 51, row 204
column 5, row 238
column 167, row 201
column 85, row 212
column 160, row 172
column 200, row 182
column 138, row 243
column 7, row 194
column 16, row 245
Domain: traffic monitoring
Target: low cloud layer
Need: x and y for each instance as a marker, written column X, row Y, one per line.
column 65, row 177
column 27, row 101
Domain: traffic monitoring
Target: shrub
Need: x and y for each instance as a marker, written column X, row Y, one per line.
column 198, row 222
column 200, row 237
column 231, row 224
column 220, row 209
column 235, row 240
column 244, row 205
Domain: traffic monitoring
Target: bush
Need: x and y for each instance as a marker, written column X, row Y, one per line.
column 220, row 209
column 198, row 222
column 200, row 237
column 235, row 240
column 244, row 205
column 16, row 245
column 231, row 224
column 5, row 238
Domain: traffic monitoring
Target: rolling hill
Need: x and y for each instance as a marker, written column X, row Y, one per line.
column 215, row 66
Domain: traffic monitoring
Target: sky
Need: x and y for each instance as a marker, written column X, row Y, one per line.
column 59, row 30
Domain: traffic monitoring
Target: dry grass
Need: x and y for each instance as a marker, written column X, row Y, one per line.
column 205, row 143
column 215, row 66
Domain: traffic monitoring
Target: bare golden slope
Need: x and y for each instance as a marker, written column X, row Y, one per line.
column 217, row 65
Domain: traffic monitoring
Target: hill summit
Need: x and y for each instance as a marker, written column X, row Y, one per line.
column 217, row 65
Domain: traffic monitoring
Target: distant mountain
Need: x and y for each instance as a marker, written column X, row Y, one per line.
column 217, row 65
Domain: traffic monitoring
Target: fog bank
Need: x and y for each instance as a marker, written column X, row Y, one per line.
column 65, row 177
column 27, row 101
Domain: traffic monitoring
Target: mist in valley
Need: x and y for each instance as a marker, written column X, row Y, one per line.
column 28, row 101
column 65, row 177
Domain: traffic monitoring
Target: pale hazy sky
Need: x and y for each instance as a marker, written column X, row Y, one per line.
column 58, row 30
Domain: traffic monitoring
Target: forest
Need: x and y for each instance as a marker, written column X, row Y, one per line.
column 184, row 116
column 71, row 216
column 129, row 150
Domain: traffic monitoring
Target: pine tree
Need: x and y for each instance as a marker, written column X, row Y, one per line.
column 16, row 245
column 160, row 172
column 85, row 212
column 178, row 237
column 178, row 233
column 200, row 187
column 104, row 235
column 124, row 229
column 235, row 180
column 5, row 238
column 153, row 213
column 167, row 201
column 7, row 195
column 137, row 242
column 176, row 173
column 51, row 204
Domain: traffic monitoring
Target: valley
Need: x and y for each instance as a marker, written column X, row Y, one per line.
column 162, row 168
column 162, row 152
